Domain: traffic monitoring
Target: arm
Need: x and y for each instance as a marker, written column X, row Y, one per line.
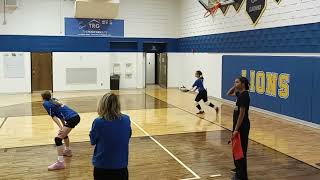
column 57, row 121
column 193, row 88
column 232, row 91
column 240, row 118
column 93, row 134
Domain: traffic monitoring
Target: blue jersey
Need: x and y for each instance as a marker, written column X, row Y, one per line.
column 199, row 84
column 111, row 140
column 62, row 112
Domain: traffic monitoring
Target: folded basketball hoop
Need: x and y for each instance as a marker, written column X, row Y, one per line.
column 210, row 10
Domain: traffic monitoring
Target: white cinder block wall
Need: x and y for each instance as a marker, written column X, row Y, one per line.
column 182, row 68
column 192, row 23
column 143, row 18
column 288, row 12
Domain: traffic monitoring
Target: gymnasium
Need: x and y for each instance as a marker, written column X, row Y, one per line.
column 157, row 59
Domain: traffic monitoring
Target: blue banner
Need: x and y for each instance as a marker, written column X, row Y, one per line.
column 286, row 85
column 94, row 27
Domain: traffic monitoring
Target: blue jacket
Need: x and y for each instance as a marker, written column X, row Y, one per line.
column 111, row 140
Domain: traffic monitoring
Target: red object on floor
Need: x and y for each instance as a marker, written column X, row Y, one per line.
column 236, row 147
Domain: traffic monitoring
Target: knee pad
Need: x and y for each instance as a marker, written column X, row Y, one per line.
column 58, row 141
column 207, row 103
column 196, row 103
column 66, row 137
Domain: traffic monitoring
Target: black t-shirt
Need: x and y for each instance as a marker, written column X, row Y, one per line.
column 243, row 100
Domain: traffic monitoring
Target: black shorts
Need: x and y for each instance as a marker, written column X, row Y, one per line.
column 202, row 95
column 72, row 122
column 112, row 174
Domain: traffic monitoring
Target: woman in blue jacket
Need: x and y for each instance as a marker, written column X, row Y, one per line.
column 110, row 134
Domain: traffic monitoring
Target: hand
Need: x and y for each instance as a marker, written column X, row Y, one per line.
column 234, row 134
column 60, row 132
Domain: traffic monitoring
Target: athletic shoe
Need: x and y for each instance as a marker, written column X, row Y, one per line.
column 200, row 112
column 67, row 153
column 56, row 166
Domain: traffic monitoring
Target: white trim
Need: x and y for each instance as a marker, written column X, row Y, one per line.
column 196, row 176
column 214, row 176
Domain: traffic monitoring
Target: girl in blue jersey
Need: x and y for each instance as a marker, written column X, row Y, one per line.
column 66, row 119
column 110, row 133
column 202, row 93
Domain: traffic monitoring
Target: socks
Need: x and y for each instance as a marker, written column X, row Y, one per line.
column 67, row 148
column 60, row 158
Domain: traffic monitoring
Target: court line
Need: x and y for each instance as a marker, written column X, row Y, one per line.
column 196, row 176
column 214, row 176
column 5, row 119
column 225, row 128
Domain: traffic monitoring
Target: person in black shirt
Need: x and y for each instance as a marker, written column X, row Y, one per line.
column 241, row 123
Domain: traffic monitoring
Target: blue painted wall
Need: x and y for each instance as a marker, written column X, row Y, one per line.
column 303, row 100
column 75, row 44
column 291, row 39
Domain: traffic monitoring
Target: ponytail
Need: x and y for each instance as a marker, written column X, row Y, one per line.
column 46, row 95
column 55, row 102
column 200, row 74
column 245, row 81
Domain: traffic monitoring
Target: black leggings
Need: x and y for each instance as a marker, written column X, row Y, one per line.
column 241, row 164
column 112, row 174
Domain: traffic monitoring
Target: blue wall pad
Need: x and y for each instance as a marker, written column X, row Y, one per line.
column 20, row 43
column 290, row 39
column 281, row 84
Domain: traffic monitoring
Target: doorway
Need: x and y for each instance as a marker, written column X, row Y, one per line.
column 156, row 63
column 156, row 69
column 41, row 71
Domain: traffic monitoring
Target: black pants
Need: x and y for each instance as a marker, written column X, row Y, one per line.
column 110, row 174
column 241, row 164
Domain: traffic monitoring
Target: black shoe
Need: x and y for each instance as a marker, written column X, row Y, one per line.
column 200, row 112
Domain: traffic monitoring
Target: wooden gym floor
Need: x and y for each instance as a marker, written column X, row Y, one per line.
column 169, row 140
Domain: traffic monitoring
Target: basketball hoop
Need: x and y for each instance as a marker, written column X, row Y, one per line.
column 213, row 10
column 210, row 10
column 214, row 5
